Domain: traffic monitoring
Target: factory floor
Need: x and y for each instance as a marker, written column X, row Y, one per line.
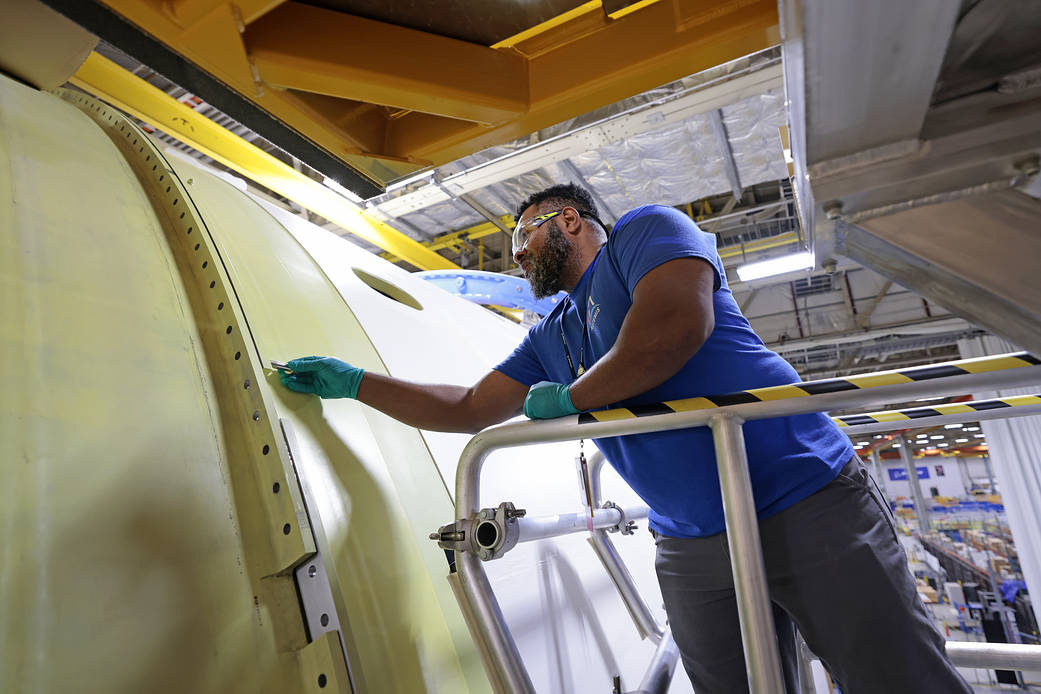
column 945, row 617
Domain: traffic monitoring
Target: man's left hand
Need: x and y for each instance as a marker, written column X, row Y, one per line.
column 547, row 400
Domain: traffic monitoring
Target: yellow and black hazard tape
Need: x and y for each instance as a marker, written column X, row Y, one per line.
column 831, row 385
column 937, row 410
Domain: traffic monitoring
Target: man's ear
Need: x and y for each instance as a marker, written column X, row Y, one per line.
column 572, row 221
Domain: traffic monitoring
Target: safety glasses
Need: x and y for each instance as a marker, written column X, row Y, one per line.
column 523, row 232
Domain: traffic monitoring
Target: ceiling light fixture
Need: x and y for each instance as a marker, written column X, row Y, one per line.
column 411, row 179
column 775, row 266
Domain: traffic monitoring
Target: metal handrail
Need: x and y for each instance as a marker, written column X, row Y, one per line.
column 948, row 413
column 483, row 614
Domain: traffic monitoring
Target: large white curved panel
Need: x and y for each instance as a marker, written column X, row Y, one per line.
column 573, row 630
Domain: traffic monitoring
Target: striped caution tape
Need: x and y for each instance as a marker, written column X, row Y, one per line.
column 937, row 411
column 831, row 385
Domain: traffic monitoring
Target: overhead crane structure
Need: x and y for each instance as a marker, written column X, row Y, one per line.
column 388, row 99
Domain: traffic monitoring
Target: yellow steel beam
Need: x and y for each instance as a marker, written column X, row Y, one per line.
column 455, row 238
column 630, row 8
column 326, row 52
column 190, row 11
column 563, row 68
column 760, row 245
column 214, row 43
column 572, row 70
column 582, row 11
column 112, row 83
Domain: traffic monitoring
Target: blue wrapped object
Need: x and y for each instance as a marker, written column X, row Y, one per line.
column 491, row 288
column 1010, row 588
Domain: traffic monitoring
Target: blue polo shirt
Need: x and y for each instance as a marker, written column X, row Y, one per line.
column 789, row 458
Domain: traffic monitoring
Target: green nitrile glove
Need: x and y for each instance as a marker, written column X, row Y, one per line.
column 547, row 400
column 325, row 377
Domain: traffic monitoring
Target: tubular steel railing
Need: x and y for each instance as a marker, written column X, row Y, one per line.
column 725, row 414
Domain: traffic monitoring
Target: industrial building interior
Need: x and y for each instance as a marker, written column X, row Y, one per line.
column 870, row 172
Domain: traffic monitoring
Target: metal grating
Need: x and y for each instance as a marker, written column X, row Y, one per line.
column 818, row 284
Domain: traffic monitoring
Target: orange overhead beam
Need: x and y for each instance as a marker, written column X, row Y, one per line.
column 438, row 99
column 315, row 50
column 213, row 43
column 593, row 66
column 190, row 11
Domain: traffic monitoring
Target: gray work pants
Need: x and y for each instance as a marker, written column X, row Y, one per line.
column 834, row 564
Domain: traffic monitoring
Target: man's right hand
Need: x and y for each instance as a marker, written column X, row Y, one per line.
column 325, row 377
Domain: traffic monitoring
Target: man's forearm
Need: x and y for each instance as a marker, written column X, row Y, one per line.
column 435, row 407
column 629, row 370
column 670, row 319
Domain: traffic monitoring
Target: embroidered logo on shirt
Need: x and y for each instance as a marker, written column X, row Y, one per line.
column 592, row 312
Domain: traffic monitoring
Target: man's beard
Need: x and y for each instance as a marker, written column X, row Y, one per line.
column 547, row 268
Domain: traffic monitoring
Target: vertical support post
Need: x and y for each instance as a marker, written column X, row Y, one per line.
column 876, row 463
column 921, row 510
column 754, row 609
column 990, row 474
column 966, row 478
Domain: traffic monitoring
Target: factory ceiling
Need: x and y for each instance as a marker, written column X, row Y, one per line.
column 708, row 141
column 383, row 89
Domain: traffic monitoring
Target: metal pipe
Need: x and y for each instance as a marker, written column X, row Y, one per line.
column 568, row 429
column 566, row 523
column 989, row 656
column 645, row 622
column 505, row 668
column 1012, row 656
column 921, row 510
column 954, row 418
column 876, row 463
column 754, row 610
column 659, row 673
column 601, row 543
column 596, row 466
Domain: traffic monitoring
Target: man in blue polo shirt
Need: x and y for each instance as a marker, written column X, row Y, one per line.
column 649, row 318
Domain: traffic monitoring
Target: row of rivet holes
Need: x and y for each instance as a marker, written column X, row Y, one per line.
column 287, row 528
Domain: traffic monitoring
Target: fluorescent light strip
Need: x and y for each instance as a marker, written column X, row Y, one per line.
column 775, row 266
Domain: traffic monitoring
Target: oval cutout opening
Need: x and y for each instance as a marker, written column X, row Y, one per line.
column 387, row 289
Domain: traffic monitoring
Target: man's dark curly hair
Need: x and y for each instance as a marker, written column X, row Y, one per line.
column 563, row 194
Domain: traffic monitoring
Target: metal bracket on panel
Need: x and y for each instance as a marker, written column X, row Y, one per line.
column 316, row 597
column 311, row 577
column 489, row 533
column 624, row 526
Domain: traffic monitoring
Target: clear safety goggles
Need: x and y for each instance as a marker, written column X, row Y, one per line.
column 523, row 231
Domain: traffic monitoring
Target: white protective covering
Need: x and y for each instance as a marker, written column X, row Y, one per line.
column 1015, row 454
column 572, row 629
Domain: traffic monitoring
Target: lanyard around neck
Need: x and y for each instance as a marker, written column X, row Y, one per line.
column 585, row 329
column 567, row 352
